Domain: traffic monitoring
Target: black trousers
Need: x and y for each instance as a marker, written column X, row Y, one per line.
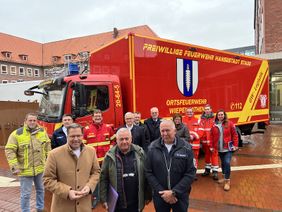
column 131, row 208
column 161, row 206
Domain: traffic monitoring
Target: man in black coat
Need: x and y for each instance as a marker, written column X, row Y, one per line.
column 170, row 170
column 137, row 122
column 153, row 124
column 138, row 133
column 59, row 136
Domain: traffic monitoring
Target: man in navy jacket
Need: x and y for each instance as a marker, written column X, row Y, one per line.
column 59, row 136
column 170, row 170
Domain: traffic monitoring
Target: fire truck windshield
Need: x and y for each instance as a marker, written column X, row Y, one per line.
column 51, row 105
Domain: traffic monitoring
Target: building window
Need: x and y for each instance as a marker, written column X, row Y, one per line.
column 5, row 81
column 13, row 70
column 29, row 72
column 46, row 72
column 21, row 71
column 36, row 73
column 13, row 81
column 7, row 55
column 4, row 69
column 68, row 57
column 55, row 59
column 20, row 80
column 23, row 57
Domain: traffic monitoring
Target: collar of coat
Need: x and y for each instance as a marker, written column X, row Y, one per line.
column 179, row 143
column 82, row 147
column 207, row 116
column 179, row 126
column 33, row 131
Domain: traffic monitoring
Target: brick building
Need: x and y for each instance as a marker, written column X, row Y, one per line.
column 268, row 42
column 268, row 26
column 24, row 60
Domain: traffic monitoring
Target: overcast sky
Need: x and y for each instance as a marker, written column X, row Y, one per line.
column 218, row 24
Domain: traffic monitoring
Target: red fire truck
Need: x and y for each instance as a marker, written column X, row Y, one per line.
column 135, row 73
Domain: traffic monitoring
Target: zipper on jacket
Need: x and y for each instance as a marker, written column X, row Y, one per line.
column 168, row 170
column 32, row 152
column 25, row 156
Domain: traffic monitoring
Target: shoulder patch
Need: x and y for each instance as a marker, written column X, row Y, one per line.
column 20, row 131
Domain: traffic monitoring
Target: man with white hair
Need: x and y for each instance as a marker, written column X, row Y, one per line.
column 123, row 169
column 138, row 133
column 170, row 170
column 153, row 124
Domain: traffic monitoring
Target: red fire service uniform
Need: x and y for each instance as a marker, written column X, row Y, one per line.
column 192, row 124
column 211, row 158
column 101, row 137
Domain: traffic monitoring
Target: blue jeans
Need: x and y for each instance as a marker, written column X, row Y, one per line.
column 26, row 187
column 225, row 158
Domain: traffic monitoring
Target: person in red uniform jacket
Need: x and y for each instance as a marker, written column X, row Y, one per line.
column 99, row 135
column 192, row 124
column 211, row 158
column 224, row 140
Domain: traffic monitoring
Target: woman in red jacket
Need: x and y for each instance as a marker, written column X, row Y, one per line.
column 224, row 139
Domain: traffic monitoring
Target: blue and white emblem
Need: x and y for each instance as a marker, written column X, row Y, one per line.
column 187, row 76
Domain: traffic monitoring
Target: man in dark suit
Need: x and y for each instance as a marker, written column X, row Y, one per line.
column 137, row 122
column 153, row 124
column 138, row 133
column 59, row 137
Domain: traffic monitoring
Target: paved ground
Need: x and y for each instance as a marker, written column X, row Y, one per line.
column 256, row 183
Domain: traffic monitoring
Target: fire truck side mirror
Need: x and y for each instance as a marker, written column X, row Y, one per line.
column 28, row 93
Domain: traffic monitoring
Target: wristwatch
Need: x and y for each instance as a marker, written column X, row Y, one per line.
column 173, row 193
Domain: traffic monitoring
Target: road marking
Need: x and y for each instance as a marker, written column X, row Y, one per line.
column 8, row 182
column 251, row 167
column 12, row 182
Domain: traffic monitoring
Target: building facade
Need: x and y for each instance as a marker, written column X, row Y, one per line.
column 268, row 26
column 24, row 60
column 268, row 42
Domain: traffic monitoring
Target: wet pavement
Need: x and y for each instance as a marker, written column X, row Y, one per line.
column 256, row 180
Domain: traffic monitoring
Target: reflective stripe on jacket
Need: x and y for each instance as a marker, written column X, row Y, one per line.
column 101, row 137
column 204, row 130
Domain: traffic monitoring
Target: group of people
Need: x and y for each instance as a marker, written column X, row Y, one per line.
column 155, row 160
column 218, row 137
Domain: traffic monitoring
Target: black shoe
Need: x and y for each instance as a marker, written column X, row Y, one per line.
column 206, row 173
column 215, row 175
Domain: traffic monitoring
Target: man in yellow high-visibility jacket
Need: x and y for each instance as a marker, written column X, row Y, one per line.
column 26, row 152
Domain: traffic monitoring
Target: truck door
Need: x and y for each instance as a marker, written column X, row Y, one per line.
column 89, row 96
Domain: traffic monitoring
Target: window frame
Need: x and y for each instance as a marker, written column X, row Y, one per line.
column 34, row 73
column 24, row 57
column 29, row 74
column 67, row 57
column 46, row 72
column 15, row 71
column 6, row 72
column 21, row 68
